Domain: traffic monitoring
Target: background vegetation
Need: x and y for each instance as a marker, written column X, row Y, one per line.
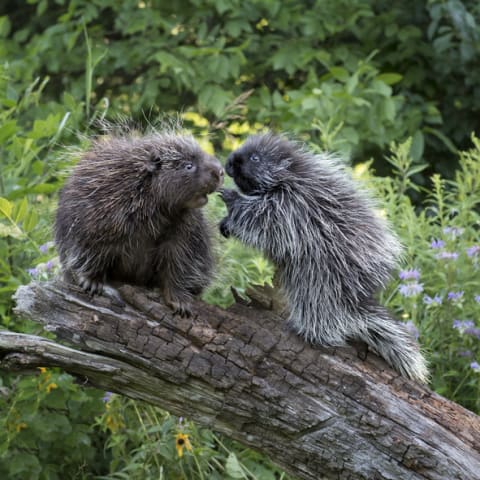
column 391, row 85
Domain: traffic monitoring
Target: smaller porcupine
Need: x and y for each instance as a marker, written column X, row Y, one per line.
column 130, row 212
column 332, row 252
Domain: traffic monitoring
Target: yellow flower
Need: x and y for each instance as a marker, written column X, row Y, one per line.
column 261, row 24
column 20, row 426
column 196, row 119
column 114, row 422
column 44, row 378
column 182, row 442
column 51, row 386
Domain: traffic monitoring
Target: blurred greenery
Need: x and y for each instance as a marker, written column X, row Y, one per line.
column 392, row 86
column 383, row 70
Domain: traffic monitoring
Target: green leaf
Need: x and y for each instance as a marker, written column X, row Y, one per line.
column 277, row 99
column 7, row 130
column 282, row 59
column 167, row 60
column 340, row 73
column 236, row 26
column 42, row 6
column 233, row 468
column 31, row 222
column 416, row 169
column 388, row 108
column 22, row 210
column 361, row 102
column 214, row 98
column 24, row 463
column 351, row 84
column 390, row 78
column 10, row 231
column 381, row 88
column 418, row 144
column 351, row 135
column 5, row 207
column 448, row 143
column 310, row 103
column 222, row 6
column 5, row 26
column 45, row 128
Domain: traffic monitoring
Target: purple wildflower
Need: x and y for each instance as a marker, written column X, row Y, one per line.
column 409, row 274
column 410, row 289
column 437, row 244
column 427, row 300
column 453, row 231
column 473, row 251
column 475, row 366
column 106, row 398
column 463, row 324
column 412, row 329
column 454, row 296
column 33, row 272
column 447, row 255
column 473, row 331
column 44, row 248
column 49, row 265
column 477, row 298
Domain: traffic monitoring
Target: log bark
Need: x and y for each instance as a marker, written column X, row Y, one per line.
column 318, row 413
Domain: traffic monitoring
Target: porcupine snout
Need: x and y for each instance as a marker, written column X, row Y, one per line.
column 214, row 174
column 234, row 163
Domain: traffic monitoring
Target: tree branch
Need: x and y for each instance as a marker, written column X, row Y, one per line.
column 319, row 413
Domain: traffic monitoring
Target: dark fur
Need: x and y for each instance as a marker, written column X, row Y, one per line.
column 331, row 250
column 130, row 212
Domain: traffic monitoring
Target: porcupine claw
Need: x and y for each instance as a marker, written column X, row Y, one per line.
column 90, row 285
column 229, row 196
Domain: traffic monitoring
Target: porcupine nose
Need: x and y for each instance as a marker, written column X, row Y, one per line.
column 231, row 160
column 219, row 173
column 215, row 173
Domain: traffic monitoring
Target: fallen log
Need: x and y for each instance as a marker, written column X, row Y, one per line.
column 318, row 413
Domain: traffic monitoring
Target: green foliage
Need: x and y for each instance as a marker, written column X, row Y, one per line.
column 441, row 294
column 46, row 428
column 383, row 71
column 27, row 180
column 144, row 444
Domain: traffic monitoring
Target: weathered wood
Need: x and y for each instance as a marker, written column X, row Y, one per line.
column 318, row 413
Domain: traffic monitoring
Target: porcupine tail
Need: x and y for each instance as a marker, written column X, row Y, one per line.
column 391, row 340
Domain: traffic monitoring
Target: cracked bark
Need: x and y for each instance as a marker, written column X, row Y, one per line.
column 319, row 413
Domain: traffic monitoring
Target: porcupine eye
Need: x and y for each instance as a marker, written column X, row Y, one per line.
column 255, row 157
column 190, row 167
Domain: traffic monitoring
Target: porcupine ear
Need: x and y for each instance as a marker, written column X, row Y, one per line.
column 154, row 163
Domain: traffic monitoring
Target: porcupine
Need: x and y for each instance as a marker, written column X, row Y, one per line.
column 331, row 250
column 130, row 213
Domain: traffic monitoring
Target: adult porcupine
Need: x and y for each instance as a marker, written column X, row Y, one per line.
column 130, row 212
column 331, row 250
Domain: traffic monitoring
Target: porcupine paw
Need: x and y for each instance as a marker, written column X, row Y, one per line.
column 180, row 308
column 224, row 230
column 229, row 196
column 91, row 285
column 178, row 305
